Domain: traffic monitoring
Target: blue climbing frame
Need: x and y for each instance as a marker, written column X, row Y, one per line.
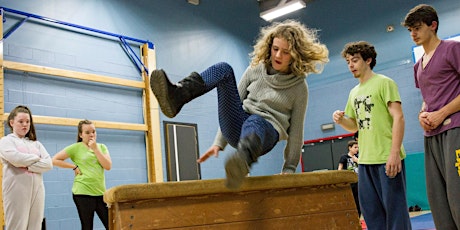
column 123, row 39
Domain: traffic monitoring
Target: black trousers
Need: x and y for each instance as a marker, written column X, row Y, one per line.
column 87, row 206
column 354, row 189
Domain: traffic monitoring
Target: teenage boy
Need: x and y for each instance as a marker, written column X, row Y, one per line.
column 374, row 109
column 437, row 75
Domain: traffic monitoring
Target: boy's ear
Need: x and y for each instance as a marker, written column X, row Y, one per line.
column 368, row 61
column 433, row 25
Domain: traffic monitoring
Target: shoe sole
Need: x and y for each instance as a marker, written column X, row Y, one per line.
column 236, row 170
column 160, row 84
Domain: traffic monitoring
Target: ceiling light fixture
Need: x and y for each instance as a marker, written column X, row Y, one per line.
column 283, row 8
column 194, row 2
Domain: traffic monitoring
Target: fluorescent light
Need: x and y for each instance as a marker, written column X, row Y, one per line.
column 194, row 2
column 282, row 8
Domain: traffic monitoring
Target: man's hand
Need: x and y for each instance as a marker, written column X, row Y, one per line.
column 337, row 116
column 393, row 166
column 435, row 118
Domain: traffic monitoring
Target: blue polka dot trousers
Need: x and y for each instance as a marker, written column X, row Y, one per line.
column 234, row 122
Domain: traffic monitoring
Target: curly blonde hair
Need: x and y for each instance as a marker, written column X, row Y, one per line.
column 308, row 54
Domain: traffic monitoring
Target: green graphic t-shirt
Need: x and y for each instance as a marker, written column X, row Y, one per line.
column 91, row 181
column 368, row 104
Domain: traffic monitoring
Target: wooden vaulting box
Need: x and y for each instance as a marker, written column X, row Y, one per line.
column 312, row 200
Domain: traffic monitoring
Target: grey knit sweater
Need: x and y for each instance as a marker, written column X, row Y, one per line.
column 282, row 100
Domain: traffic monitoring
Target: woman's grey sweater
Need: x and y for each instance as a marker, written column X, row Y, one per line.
column 282, row 100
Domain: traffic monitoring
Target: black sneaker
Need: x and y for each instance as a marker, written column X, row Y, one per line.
column 236, row 169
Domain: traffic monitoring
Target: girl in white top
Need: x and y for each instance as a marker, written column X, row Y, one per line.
column 24, row 160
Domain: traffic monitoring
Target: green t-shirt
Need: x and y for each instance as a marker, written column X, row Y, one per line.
column 92, row 180
column 368, row 104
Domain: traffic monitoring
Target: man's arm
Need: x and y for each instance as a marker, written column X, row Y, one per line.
column 347, row 123
column 393, row 165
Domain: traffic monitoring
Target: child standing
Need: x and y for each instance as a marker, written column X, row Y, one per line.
column 24, row 160
column 349, row 161
column 89, row 162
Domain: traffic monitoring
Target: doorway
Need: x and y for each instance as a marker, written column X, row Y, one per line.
column 181, row 142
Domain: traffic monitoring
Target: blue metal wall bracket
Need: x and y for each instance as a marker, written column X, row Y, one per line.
column 126, row 47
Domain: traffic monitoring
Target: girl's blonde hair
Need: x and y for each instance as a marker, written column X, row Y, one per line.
column 308, row 54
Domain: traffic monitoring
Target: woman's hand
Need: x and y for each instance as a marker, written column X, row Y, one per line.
column 77, row 171
column 92, row 144
column 212, row 151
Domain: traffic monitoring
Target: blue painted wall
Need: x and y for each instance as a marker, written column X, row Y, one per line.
column 368, row 20
column 189, row 38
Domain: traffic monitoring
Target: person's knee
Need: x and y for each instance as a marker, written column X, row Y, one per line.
column 227, row 68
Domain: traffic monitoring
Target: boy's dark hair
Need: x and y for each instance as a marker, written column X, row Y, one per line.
column 365, row 49
column 351, row 143
column 422, row 13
